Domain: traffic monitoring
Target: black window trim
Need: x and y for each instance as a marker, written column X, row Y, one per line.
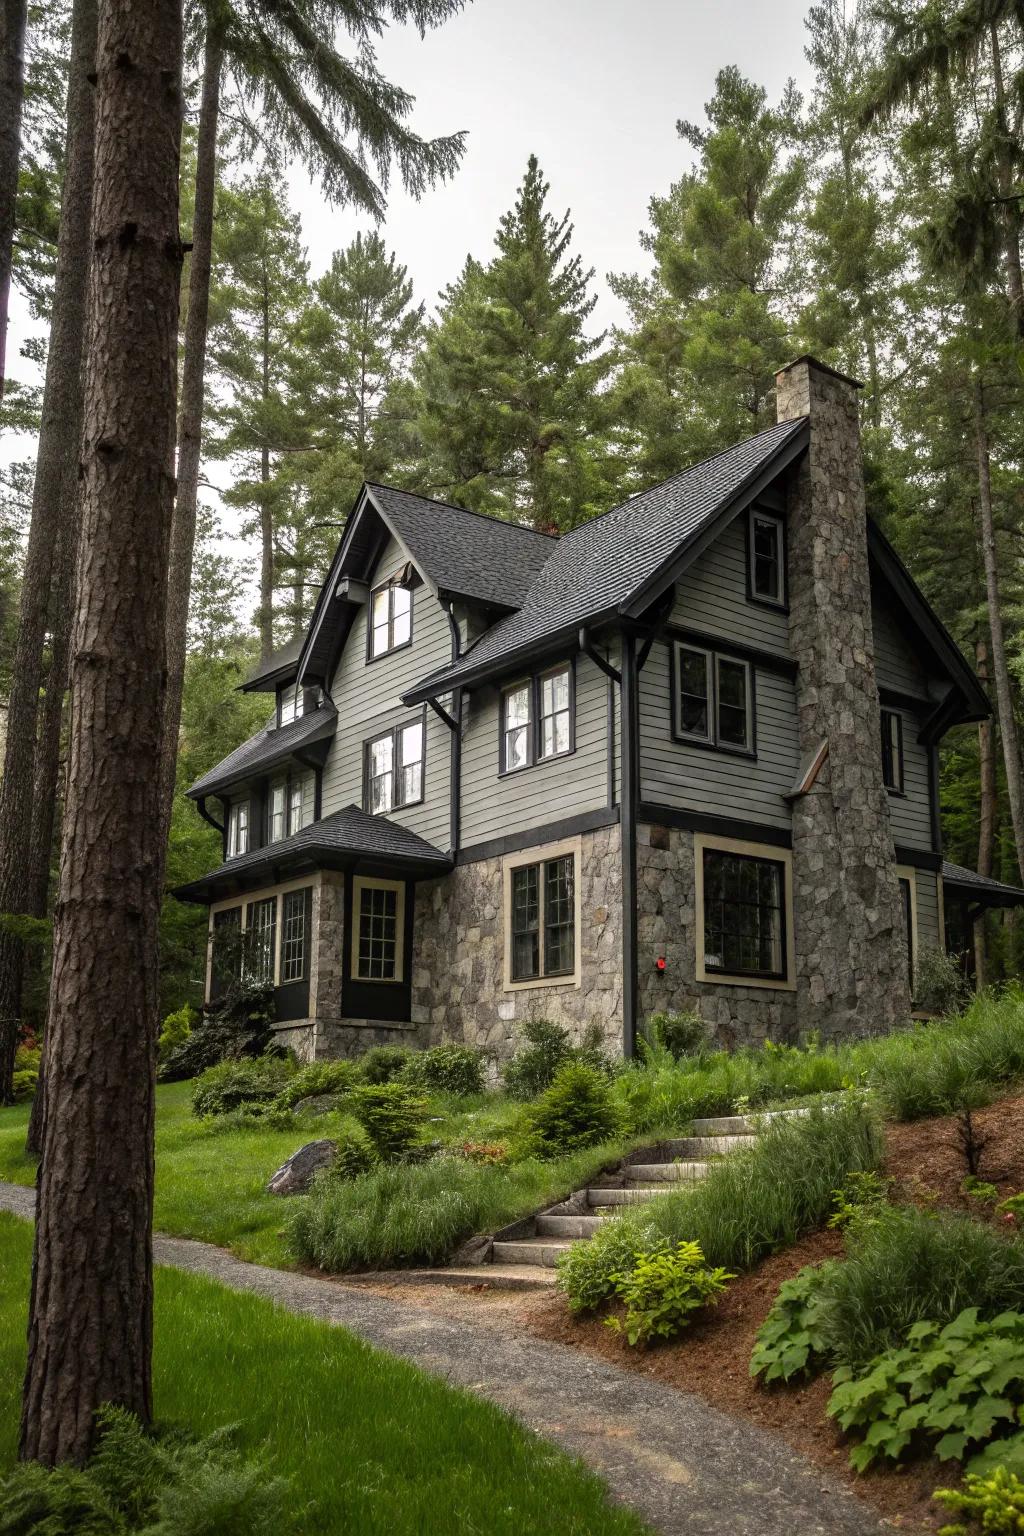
column 540, row 865
column 388, row 586
column 395, row 732
column 740, row 976
column 897, row 790
column 780, row 605
column 534, row 681
column 711, row 743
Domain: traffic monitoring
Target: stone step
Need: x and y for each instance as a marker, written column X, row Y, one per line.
column 737, row 1125
column 550, row 1225
column 635, row 1194
column 530, row 1250
column 665, row 1173
column 686, row 1147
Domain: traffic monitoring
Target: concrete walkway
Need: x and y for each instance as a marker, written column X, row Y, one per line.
column 684, row 1467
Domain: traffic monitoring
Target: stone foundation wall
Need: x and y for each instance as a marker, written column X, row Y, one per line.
column 666, row 926
column 458, row 990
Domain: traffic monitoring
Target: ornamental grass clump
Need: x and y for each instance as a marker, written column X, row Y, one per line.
column 320, row 1077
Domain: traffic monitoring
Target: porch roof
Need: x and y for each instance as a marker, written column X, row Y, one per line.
column 348, row 839
column 980, row 889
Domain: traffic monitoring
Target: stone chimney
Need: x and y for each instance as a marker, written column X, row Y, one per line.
column 851, row 948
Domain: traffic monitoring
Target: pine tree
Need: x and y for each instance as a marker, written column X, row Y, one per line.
column 507, row 383
column 712, row 324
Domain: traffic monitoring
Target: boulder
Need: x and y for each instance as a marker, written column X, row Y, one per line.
column 295, row 1176
column 319, row 1104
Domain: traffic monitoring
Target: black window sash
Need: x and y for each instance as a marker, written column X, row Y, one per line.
column 717, row 708
column 543, row 919
column 395, row 772
column 533, row 686
column 726, row 923
column 892, row 750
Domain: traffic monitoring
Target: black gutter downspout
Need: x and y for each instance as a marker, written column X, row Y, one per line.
column 455, row 759
column 218, row 826
column 630, row 798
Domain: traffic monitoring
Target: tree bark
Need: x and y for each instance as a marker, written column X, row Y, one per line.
column 266, row 516
column 1010, row 206
column 12, row 94
column 1000, row 670
column 986, row 813
column 90, row 1321
column 190, row 424
column 48, row 580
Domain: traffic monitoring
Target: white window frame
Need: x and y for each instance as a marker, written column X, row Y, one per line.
column 296, row 795
column 541, row 855
column 248, row 898
column 757, row 515
column 361, row 883
column 707, row 842
column 238, row 824
column 712, row 663
column 396, row 734
column 295, row 708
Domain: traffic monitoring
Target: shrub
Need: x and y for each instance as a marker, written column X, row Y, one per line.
column 382, row 1063
column 392, row 1117
column 940, row 982
column 354, row 1155
column 455, row 1069
column 164, row 1485
column 587, row 1272
column 237, row 1026
column 576, row 1111
column 909, row 1266
column 26, row 1072
column 994, row 1502
column 862, row 1196
column 232, row 1085
column 175, row 1030
column 660, row 1290
column 790, row 1341
column 319, row 1077
column 549, row 1048
column 945, row 1388
column 681, row 1034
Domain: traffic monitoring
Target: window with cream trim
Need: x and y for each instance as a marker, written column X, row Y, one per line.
column 542, row 916
column 378, row 930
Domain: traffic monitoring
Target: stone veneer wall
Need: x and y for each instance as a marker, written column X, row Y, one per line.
column 666, row 926
column 458, row 968
column 850, row 944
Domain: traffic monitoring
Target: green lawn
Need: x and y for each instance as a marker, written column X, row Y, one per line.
column 373, row 1444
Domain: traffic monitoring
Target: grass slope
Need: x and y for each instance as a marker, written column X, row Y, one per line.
column 372, row 1444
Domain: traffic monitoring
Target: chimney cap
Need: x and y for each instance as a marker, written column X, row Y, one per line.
column 813, row 362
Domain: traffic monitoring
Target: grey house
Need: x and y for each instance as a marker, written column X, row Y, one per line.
column 683, row 756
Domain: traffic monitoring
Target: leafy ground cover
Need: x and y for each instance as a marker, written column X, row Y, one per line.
column 370, row 1444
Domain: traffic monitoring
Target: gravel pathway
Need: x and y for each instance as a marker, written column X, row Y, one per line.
column 686, row 1468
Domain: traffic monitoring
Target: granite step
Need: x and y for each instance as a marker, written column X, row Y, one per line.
column 550, row 1225
column 634, row 1194
column 545, row 1251
column 665, row 1173
column 738, row 1125
column 686, row 1147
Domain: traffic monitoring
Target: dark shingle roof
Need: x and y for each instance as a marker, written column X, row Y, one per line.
column 271, row 745
column 346, row 838
column 596, row 568
column 462, row 552
column 277, row 666
column 982, row 888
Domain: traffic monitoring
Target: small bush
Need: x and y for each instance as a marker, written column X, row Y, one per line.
column 26, row 1072
column 392, row 1117
column 994, row 1503
column 940, row 982
column 549, row 1048
column 862, row 1196
column 576, row 1111
column 681, row 1034
column 660, row 1290
column 383, row 1063
column 162, row 1485
column 587, row 1272
column 945, row 1390
column 454, row 1069
column 354, row 1155
column 233, row 1085
column 175, row 1030
column 790, row 1341
column 337, row 1077
column 239, row 1025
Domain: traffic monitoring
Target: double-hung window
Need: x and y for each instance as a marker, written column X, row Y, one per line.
column 714, row 699
column 767, row 558
column 226, row 947
column 390, row 619
column 537, row 719
column 294, row 936
column 296, row 795
column 394, row 768
column 541, row 918
column 276, row 824
column 238, row 829
column 743, row 906
column 378, row 932
column 892, row 751
column 291, row 704
column 261, row 937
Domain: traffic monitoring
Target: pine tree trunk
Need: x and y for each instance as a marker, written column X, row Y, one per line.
column 1000, row 670
column 1010, row 210
column 266, row 517
column 12, row 92
column 52, row 543
column 190, row 424
column 90, row 1322
column 986, row 812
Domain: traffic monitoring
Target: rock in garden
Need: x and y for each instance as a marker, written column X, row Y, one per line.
column 295, row 1176
column 319, row 1104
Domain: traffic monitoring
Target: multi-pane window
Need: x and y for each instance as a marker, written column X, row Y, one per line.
column 227, row 955
column 542, row 919
column 261, row 937
column 276, row 826
column 294, row 937
column 744, row 915
column 537, row 719
column 238, row 829
column 377, row 951
column 767, row 558
column 390, row 618
column 291, row 704
column 714, row 699
column 394, row 768
column 907, row 902
column 892, row 750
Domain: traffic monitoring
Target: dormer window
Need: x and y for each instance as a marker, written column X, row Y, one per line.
column 390, row 619
column 291, row 704
column 767, row 559
column 238, row 829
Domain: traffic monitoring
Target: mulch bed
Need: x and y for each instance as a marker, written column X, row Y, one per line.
column 712, row 1358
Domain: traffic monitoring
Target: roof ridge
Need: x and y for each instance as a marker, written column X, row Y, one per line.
column 382, row 485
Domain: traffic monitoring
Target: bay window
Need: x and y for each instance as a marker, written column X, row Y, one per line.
column 378, row 932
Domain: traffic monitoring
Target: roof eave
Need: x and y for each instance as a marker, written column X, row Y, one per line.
column 278, row 866
column 509, row 661
column 318, row 739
